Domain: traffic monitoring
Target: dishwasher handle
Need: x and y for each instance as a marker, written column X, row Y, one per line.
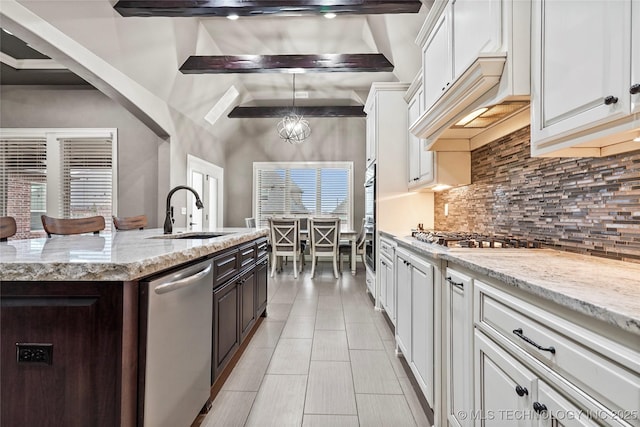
column 183, row 283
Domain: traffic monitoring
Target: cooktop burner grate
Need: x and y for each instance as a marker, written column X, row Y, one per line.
column 473, row 240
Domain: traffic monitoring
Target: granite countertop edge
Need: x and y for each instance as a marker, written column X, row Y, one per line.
column 628, row 321
column 143, row 266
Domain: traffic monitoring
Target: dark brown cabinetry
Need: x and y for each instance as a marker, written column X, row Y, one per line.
column 238, row 301
column 247, row 287
column 226, row 337
column 261, row 288
column 68, row 353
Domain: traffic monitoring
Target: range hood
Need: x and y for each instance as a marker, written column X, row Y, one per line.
column 489, row 100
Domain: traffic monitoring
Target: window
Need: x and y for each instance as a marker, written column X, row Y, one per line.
column 59, row 172
column 86, row 178
column 303, row 189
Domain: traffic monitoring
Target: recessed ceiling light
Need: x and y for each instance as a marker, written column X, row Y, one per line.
column 232, row 16
column 330, row 15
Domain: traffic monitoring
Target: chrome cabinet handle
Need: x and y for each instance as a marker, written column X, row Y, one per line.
column 521, row 335
column 609, row 100
column 182, row 283
column 457, row 285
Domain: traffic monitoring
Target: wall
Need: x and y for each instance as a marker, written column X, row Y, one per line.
column 584, row 205
column 257, row 140
column 66, row 107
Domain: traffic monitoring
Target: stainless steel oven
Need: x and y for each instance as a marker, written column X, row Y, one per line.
column 370, row 216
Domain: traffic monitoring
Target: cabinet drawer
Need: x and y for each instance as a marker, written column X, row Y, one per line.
column 261, row 248
column 247, row 255
column 225, row 266
column 387, row 248
column 605, row 369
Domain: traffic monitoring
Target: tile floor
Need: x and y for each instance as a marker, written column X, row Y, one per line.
column 322, row 357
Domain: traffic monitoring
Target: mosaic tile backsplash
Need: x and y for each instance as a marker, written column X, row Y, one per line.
column 584, row 205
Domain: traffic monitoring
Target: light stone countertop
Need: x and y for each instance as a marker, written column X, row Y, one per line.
column 600, row 288
column 117, row 256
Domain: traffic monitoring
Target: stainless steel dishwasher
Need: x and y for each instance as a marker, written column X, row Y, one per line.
column 177, row 369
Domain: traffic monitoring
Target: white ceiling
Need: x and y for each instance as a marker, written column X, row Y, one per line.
column 150, row 51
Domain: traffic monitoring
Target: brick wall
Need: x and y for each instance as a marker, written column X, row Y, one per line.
column 19, row 207
column 584, row 205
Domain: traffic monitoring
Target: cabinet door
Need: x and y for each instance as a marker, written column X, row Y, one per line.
column 427, row 164
column 372, row 132
column 391, row 291
column 422, row 324
column 226, row 334
column 635, row 56
column 383, row 282
column 504, row 386
column 403, row 314
column 581, row 56
column 247, row 289
column 458, row 335
column 557, row 411
column 413, row 151
column 261, row 288
column 436, row 62
column 476, row 28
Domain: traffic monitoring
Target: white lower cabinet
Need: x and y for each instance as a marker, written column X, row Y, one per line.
column 504, row 387
column 534, row 367
column 387, row 278
column 422, row 322
column 415, row 317
column 403, row 314
column 458, row 345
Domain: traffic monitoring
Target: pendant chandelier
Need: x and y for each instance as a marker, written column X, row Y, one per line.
column 294, row 128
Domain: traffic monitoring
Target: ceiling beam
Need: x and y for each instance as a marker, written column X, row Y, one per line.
column 223, row 8
column 328, row 63
column 307, row 111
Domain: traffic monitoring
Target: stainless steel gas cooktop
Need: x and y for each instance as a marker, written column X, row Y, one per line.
column 457, row 239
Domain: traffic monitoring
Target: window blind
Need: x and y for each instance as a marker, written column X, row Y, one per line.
column 86, row 185
column 303, row 189
column 22, row 163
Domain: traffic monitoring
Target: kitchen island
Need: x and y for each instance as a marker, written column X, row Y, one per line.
column 74, row 323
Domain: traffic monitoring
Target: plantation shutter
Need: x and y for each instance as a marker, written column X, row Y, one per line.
column 303, row 190
column 86, row 178
column 22, row 163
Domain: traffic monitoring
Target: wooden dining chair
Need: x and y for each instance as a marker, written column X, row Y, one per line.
column 285, row 241
column 324, row 234
column 130, row 222
column 7, row 227
column 92, row 224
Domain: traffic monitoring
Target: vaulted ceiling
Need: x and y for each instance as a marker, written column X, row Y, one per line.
column 150, row 51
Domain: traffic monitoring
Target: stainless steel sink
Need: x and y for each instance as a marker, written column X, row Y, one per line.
column 195, row 235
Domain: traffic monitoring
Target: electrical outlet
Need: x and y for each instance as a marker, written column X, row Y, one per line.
column 183, row 210
column 446, row 209
column 34, row 353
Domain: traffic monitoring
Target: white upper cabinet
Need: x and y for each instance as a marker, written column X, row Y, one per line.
column 583, row 73
column 475, row 55
column 634, row 89
column 476, row 28
column 372, row 133
column 437, row 60
column 427, row 169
